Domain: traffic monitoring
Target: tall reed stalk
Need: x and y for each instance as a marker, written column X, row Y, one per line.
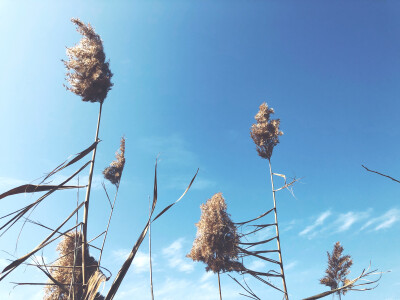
column 277, row 232
column 265, row 134
column 87, row 198
column 89, row 77
column 150, row 263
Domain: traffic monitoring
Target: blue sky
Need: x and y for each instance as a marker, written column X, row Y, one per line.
column 188, row 79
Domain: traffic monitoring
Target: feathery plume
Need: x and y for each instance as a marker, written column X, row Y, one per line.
column 217, row 239
column 265, row 133
column 88, row 74
column 114, row 171
column 337, row 270
column 63, row 269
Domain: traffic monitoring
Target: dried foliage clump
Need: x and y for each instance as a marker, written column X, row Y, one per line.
column 64, row 272
column 337, row 270
column 88, row 74
column 265, row 133
column 217, row 240
column 114, row 171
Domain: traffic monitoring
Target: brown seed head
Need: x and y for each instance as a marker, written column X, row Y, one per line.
column 63, row 272
column 113, row 173
column 217, row 239
column 265, row 133
column 338, row 268
column 88, row 75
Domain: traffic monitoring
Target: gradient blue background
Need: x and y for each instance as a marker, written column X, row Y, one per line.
column 188, row 79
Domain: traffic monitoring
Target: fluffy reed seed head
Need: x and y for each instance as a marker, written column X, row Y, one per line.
column 265, row 133
column 337, row 270
column 88, row 75
column 63, row 272
column 217, row 239
column 113, row 173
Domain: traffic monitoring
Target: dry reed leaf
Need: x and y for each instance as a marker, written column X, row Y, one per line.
column 21, row 212
column 13, row 265
column 77, row 157
column 32, row 188
column 125, row 267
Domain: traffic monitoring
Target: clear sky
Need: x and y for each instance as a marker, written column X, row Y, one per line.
column 188, row 79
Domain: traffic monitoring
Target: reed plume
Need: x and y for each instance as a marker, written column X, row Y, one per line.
column 265, row 133
column 67, row 269
column 114, row 171
column 337, row 270
column 88, row 73
column 217, row 239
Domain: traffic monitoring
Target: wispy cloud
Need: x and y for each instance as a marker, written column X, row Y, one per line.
column 310, row 230
column 346, row 220
column 140, row 263
column 384, row 221
column 176, row 257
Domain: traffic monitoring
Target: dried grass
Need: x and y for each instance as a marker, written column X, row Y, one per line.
column 265, row 133
column 217, row 240
column 88, row 74
column 113, row 173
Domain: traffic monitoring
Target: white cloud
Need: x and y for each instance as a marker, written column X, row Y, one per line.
column 318, row 222
column 176, row 257
column 345, row 221
column 384, row 221
column 140, row 263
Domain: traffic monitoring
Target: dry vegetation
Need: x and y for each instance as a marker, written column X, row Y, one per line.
column 219, row 243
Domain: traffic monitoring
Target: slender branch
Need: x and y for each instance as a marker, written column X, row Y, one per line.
column 86, row 209
column 384, row 175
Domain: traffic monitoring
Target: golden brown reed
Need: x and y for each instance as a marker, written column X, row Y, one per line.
column 113, row 173
column 337, row 270
column 265, row 133
column 88, row 73
column 217, row 239
column 63, row 269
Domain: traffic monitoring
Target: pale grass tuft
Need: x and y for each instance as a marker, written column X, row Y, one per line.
column 217, row 239
column 88, row 74
column 265, row 133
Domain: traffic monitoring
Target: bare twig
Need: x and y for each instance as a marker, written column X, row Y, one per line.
column 384, row 175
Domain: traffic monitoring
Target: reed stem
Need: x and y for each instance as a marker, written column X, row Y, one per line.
column 108, row 225
column 277, row 232
column 86, row 209
column 219, row 286
column 151, row 266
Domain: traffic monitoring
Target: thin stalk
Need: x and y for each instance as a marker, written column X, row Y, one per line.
column 108, row 224
column 151, row 267
column 277, row 232
column 75, row 248
column 86, row 209
column 219, row 286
